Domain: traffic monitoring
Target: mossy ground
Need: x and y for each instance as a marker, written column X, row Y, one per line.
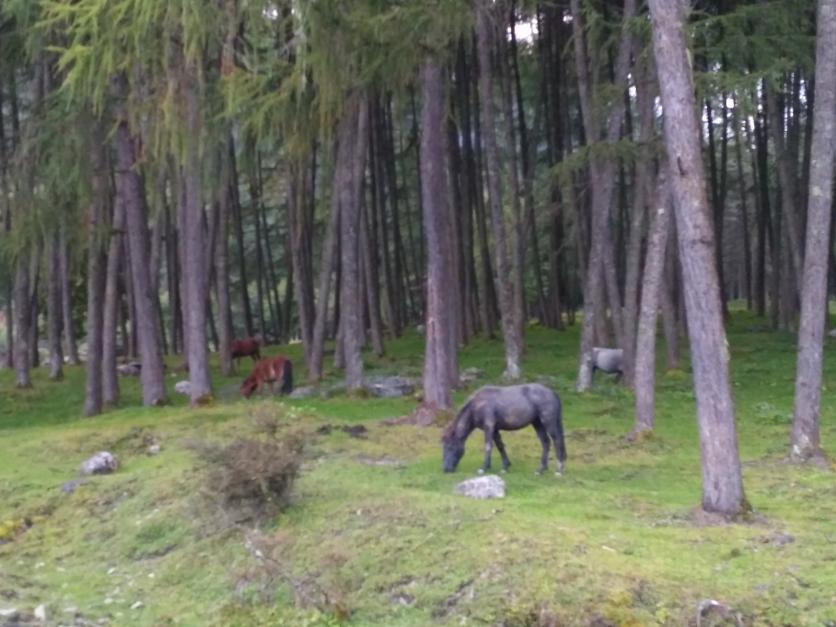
column 375, row 535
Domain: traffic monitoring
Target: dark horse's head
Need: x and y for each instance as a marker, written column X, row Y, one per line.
column 453, row 442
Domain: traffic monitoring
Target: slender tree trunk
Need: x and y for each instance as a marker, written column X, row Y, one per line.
column 645, row 369
column 786, row 183
column 54, row 310
column 23, row 322
column 505, row 281
column 240, row 250
column 95, row 268
column 110, row 379
column 71, row 350
column 805, row 443
column 722, row 481
column 371, row 292
column 222, row 291
column 130, row 191
column 326, row 269
column 600, row 265
column 669, row 306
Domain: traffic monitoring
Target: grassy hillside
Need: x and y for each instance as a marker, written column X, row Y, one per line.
column 374, row 534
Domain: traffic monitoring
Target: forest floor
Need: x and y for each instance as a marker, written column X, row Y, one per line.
column 374, row 534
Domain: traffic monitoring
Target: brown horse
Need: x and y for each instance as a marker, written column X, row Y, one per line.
column 246, row 347
column 269, row 370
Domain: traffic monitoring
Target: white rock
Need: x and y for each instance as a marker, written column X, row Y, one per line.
column 102, row 463
column 487, row 487
column 9, row 613
column 154, row 449
column 183, row 387
column 138, row 605
column 40, row 613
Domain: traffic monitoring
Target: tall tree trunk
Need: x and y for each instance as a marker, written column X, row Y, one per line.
column 326, row 269
column 221, row 259
column 195, row 273
column 440, row 355
column 131, row 192
column 115, row 255
column 600, row 265
column 371, row 287
column 805, row 441
column 353, row 143
column 722, row 481
column 95, row 267
column 645, row 368
column 54, row 310
column 505, row 281
column 241, row 252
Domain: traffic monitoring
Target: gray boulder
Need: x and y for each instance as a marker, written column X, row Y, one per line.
column 183, row 387
column 102, row 463
column 390, row 387
column 487, row 487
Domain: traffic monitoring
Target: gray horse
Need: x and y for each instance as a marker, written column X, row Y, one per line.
column 609, row 360
column 494, row 409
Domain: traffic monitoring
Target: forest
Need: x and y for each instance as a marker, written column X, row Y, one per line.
column 514, row 192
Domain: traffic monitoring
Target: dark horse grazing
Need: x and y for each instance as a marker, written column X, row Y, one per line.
column 246, row 347
column 269, row 370
column 494, row 409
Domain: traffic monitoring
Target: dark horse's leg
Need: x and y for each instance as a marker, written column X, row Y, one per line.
column 544, row 440
column 497, row 439
column 554, row 426
column 489, row 436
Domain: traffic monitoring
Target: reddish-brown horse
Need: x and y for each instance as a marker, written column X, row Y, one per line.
column 246, row 347
column 269, row 370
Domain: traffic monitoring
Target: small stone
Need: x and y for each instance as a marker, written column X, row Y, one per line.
column 108, row 601
column 138, row 605
column 102, row 463
column 40, row 613
column 111, row 570
column 9, row 614
column 154, row 449
column 183, row 387
column 469, row 375
column 485, row 487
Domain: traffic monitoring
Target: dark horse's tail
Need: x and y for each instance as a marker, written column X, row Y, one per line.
column 560, row 442
column 287, row 377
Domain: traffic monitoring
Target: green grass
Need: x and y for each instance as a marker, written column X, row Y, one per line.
column 375, row 535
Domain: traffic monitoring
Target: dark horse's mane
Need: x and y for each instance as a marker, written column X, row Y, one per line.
column 464, row 414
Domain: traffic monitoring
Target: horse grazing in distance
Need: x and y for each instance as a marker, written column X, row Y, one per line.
column 269, row 370
column 609, row 360
column 245, row 347
column 494, row 409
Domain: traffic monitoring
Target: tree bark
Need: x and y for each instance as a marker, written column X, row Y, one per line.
column 54, row 309
column 645, row 367
column 353, row 143
column 115, row 256
column 23, row 323
column 441, row 355
column 505, row 281
column 195, row 273
column 722, row 481
column 222, row 292
column 805, row 443
column 130, row 191
column 95, row 268
column 599, row 265
column 71, row 350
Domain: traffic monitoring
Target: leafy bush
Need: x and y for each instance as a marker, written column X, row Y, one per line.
column 252, row 479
